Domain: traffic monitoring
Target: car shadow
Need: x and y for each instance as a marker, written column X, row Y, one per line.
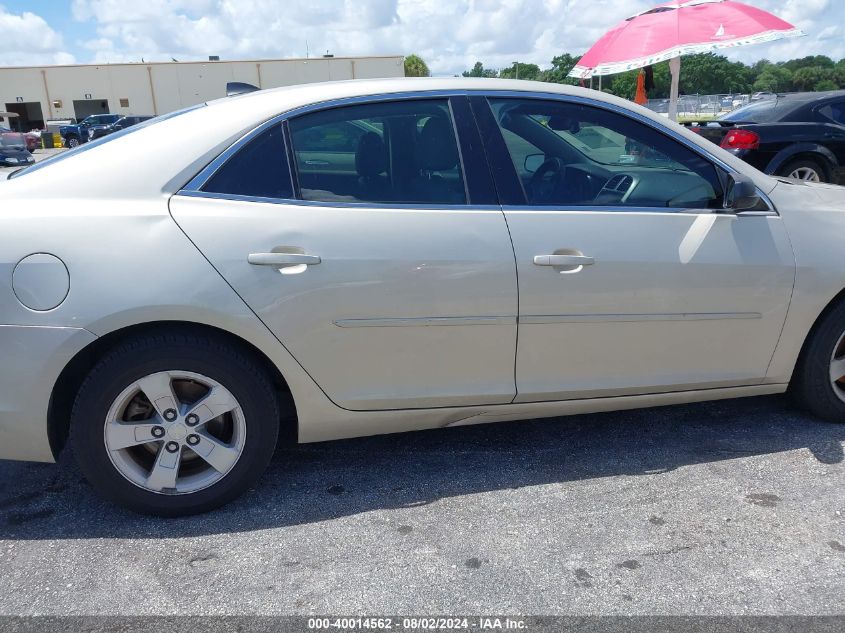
column 311, row 483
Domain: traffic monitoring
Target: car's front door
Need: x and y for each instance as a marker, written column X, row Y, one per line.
column 393, row 286
column 632, row 278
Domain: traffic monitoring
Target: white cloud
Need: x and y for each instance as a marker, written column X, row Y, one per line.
column 450, row 34
column 25, row 38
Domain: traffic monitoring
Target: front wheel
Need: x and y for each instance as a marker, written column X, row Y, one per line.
column 174, row 424
column 72, row 142
column 819, row 381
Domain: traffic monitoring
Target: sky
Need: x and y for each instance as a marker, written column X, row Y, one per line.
column 451, row 35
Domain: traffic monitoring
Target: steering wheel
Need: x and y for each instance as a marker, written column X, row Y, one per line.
column 545, row 181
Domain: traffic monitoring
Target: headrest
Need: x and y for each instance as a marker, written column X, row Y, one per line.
column 370, row 155
column 437, row 148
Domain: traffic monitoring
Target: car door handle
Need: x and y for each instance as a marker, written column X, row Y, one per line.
column 282, row 259
column 563, row 260
column 317, row 163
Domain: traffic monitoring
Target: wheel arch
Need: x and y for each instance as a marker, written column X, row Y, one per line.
column 71, row 377
column 831, row 305
column 809, row 151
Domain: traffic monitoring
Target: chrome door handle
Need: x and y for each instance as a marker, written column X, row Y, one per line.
column 563, row 260
column 317, row 163
column 282, row 259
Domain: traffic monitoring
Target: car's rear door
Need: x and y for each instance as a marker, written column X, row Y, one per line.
column 393, row 288
column 632, row 278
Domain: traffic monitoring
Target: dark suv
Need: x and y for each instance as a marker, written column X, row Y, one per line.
column 105, row 129
column 95, row 126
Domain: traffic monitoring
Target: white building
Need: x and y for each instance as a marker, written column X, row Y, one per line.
column 44, row 93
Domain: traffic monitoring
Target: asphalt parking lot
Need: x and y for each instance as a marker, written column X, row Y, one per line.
column 733, row 507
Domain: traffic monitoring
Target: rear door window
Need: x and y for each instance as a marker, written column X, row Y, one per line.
column 402, row 152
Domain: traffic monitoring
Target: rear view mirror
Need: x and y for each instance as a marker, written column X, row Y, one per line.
column 741, row 193
column 533, row 162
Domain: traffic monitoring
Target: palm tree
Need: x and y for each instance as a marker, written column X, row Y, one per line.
column 416, row 67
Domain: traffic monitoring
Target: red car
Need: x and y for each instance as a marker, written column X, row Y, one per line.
column 33, row 141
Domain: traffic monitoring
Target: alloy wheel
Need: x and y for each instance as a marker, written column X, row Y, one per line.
column 807, row 174
column 174, row 432
column 837, row 368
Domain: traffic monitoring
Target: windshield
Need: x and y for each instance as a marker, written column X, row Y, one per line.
column 109, row 138
column 757, row 112
column 12, row 140
column 99, row 119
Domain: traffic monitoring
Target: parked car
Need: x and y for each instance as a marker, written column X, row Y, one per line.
column 341, row 259
column 104, row 129
column 13, row 149
column 78, row 133
column 800, row 135
column 32, row 139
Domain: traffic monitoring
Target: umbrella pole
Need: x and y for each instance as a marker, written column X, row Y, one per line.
column 675, row 70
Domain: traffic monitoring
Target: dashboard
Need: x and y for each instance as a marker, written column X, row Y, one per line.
column 632, row 185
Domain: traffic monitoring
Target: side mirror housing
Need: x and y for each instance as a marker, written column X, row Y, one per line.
column 741, row 193
column 533, row 162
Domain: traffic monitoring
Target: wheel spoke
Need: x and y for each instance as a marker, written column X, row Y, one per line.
column 126, row 434
column 837, row 369
column 219, row 456
column 216, row 403
column 159, row 391
column 165, row 470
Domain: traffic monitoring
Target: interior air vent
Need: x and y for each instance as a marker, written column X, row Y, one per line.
column 621, row 183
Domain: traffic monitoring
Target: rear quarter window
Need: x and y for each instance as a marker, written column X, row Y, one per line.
column 259, row 169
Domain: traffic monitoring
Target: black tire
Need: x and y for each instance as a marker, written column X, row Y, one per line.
column 209, row 355
column 811, row 384
column 805, row 163
column 72, row 142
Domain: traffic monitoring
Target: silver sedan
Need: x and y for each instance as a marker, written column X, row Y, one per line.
column 354, row 258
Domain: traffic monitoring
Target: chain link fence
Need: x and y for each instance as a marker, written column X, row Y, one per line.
column 704, row 106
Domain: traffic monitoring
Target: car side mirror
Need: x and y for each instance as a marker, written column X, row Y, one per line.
column 533, row 162
column 741, row 193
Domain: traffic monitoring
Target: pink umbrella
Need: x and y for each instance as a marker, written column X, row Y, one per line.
column 680, row 28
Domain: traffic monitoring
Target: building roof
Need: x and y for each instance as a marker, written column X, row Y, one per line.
column 206, row 61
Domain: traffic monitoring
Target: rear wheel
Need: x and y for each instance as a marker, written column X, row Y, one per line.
column 819, row 379
column 804, row 169
column 72, row 142
column 174, row 424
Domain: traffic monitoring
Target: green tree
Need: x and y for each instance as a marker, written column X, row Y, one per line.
column 478, row 70
column 825, row 84
column 558, row 73
column 808, row 77
column 416, row 67
column 810, row 61
column 839, row 73
column 625, row 84
column 526, row 71
column 709, row 73
column 773, row 78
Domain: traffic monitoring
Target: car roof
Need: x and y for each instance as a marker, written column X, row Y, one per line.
column 804, row 97
column 182, row 145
